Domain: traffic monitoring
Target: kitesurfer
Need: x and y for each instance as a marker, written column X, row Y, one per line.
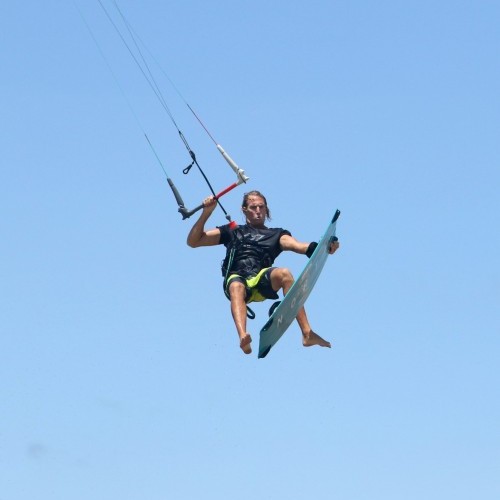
column 249, row 275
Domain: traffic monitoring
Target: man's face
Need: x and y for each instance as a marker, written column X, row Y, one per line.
column 255, row 211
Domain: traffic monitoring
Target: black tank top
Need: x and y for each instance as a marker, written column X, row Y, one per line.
column 249, row 249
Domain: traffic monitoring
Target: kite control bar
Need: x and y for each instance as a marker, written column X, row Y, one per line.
column 240, row 173
column 242, row 178
column 187, row 213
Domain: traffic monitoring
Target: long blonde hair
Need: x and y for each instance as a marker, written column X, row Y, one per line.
column 244, row 204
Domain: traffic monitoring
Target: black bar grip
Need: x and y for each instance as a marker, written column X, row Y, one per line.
column 178, row 197
column 187, row 213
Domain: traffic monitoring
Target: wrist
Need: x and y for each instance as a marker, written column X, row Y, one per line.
column 310, row 249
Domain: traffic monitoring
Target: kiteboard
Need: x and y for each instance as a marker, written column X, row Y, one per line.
column 283, row 315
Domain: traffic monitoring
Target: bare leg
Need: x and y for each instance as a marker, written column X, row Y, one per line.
column 281, row 277
column 239, row 311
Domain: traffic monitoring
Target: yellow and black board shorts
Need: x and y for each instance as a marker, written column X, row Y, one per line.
column 258, row 288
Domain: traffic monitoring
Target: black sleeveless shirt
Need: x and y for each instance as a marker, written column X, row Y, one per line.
column 250, row 249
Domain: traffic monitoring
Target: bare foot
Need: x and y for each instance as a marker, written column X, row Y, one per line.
column 314, row 339
column 245, row 344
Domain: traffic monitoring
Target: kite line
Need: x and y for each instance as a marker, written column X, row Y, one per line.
column 133, row 44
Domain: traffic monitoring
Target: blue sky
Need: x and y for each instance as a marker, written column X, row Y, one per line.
column 120, row 371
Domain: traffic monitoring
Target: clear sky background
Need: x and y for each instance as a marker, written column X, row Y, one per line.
column 120, row 372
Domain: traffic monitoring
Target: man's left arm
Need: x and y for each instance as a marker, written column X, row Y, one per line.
column 288, row 242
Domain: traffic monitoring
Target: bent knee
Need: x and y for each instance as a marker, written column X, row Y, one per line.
column 285, row 272
column 236, row 289
column 282, row 275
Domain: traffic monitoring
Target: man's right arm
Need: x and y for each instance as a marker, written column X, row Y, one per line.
column 198, row 237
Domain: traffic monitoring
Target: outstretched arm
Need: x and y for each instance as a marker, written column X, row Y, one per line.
column 288, row 242
column 198, row 236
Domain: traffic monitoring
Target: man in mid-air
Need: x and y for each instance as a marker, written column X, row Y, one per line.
column 249, row 275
